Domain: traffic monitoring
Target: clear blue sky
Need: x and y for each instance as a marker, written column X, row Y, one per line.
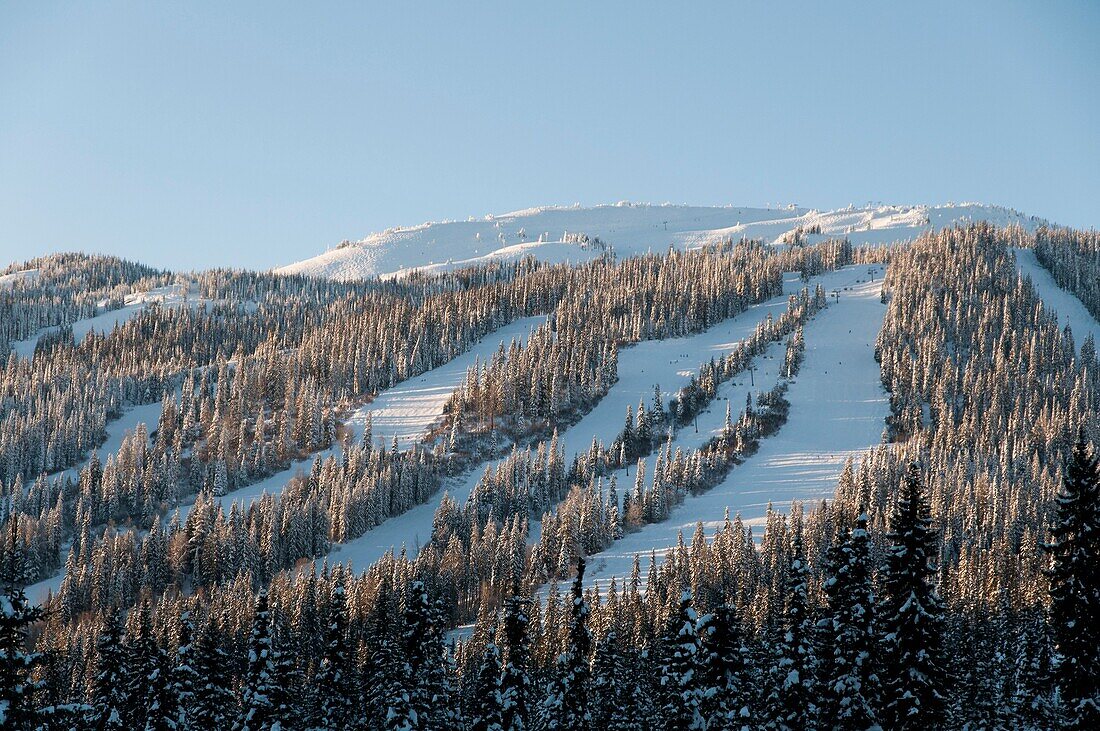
column 253, row 134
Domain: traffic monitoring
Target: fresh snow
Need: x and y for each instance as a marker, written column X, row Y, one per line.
column 549, row 233
column 838, row 410
column 117, row 430
column 7, row 281
column 407, row 410
column 410, row 409
column 669, row 363
column 1070, row 310
column 174, row 295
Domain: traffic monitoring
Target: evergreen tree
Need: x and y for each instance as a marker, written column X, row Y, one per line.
column 17, row 709
column 566, row 704
column 515, row 683
column 724, row 670
column 850, row 685
column 257, row 711
column 791, row 703
column 214, row 705
column 680, row 676
column 107, row 697
column 333, row 680
column 912, row 623
column 185, row 679
column 1075, row 587
column 488, row 708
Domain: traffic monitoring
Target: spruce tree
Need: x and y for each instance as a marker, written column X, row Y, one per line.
column 913, row 677
column 333, row 678
column 17, row 708
column 515, row 682
column 724, row 669
column 680, row 677
column 185, row 679
column 107, row 696
column 1075, row 587
column 791, row 702
column 214, row 705
column 849, row 682
column 257, row 711
column 566, row 703
column 488, row 711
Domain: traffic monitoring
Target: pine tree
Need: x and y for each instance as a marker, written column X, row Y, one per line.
column 566, row 703
column 912, row 622
column 257, row 711
column 107, row 696
column 850, row 685
column 17, row 709
column 724, row 671
column 680, row 677
column 515, row 683
column 791, row 703
column 1075, row 587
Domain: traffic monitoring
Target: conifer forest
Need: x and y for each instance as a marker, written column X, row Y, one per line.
column 533, row 494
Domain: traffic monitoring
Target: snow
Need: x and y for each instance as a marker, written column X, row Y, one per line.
column 409, row 409
column 7, row 281
column 117, row 430
column 630, row 228
column 838, row 409
column 174, row 295
column 1070, row 310
column 669, row 363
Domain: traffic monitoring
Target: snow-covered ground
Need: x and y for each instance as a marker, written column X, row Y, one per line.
column 550, row 233
column 409, row 409
column 174, row 295
column 668, row 363
column 117, row 430
column 1070, row 309
column 7, row 281
column 838, row 408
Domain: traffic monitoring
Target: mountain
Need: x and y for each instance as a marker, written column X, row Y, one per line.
column 560, row 234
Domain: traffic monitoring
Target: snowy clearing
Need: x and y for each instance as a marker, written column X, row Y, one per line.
column 838, row 408
column 174, row 295
column 551, row 233
column 1069, row 309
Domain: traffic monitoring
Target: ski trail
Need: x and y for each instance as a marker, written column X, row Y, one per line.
column 838, row 408
column 409, row 409
column 669, row 363
column 1069, row 310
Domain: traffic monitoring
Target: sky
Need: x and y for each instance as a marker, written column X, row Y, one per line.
column 248, row 135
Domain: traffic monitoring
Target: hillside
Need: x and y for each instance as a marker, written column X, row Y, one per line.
column 556, row 234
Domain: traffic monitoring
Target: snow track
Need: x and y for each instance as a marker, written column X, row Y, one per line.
column 669, row 363
column 838, row 408
column 1069, row 309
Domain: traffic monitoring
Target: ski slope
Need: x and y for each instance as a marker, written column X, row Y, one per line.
column 407, row 410
column 1070, row 310
column 549, row 234
column 838, row 408
column 669, row 363
column 410, row 409
column 117, row 430
column 170, row 296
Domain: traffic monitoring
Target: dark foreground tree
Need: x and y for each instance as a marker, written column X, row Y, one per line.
column 912, row 616
column 1075, row 588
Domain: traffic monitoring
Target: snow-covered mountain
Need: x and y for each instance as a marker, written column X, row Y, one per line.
column 557, row 234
